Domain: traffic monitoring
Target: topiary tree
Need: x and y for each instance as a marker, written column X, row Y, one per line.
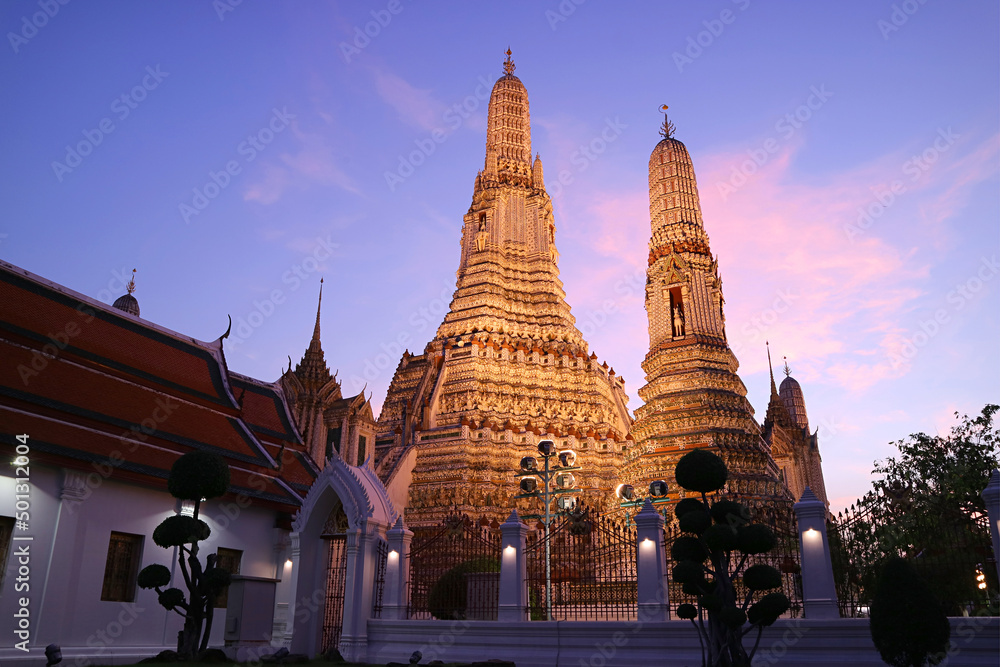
column 908, row 625
column 195, row 476
column 712, row 559
column 448, row 597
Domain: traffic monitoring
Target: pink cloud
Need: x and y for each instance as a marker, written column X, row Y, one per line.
column 834, row 302
column 416, row 107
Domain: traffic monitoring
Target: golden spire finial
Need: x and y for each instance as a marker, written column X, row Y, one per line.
column 788, row 371
column 667, row 129
column 131, row 283
column 508, row 65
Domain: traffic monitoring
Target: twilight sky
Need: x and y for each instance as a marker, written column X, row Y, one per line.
column 846, row 153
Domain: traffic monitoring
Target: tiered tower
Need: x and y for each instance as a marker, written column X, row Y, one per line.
column 786, row 431
column 508, row 365
column 693, row 397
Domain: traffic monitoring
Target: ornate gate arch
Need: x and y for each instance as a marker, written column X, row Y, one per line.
column 361, row 497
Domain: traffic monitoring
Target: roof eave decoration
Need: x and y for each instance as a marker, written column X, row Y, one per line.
column 362, row 494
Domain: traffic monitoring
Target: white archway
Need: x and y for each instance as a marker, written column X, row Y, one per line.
column 369, row 514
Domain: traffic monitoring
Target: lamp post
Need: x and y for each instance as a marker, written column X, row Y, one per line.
column 562, row 475
column 628, row 498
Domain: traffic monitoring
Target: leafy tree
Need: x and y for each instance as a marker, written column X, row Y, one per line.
column 908, row 626
column 195, row 476
column 722, row 536
column 926, row 506
column 944, row 474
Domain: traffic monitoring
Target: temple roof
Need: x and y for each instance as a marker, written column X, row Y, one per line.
column 91, row 385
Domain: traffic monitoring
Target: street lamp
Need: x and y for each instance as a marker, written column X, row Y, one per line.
column 560, row 476
column 628, row 498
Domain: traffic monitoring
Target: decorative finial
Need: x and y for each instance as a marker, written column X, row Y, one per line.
column 508, row 65
column 774, row 389
column 667, row 129
column 788, row 371
column 319, row 305
column 131, row 283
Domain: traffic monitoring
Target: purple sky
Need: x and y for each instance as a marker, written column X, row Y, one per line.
column 846, row 153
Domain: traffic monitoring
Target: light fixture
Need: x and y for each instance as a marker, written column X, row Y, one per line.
column 565, row 480
column 528, row 484
column 625, row 491
column 658, row 489
column 567, row 458
column 528, row 463
column 546, row 447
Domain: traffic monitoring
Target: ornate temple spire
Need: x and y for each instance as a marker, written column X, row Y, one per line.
column 312, row 371
column 319, row 305
column 774, row 388
column 508, row 133
column 126, row 302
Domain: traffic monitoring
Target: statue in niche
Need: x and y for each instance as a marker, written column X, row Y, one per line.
column 481, row 233
column 678, row 321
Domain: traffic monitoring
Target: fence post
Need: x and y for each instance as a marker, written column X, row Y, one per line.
column 991, row 494
column 395, row 597
column 651, row 565
column 513, row 602
column 819, row 592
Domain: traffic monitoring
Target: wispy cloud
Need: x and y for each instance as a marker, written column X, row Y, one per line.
column 312, row 163
column 849, row 299
column 416, row 107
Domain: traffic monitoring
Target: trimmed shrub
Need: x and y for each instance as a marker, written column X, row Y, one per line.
column 179, row 529
column 198, row 475
column 907, row 623
column 701, row 470
column 761, row 577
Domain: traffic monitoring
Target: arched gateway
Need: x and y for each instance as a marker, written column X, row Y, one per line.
column 358, row 493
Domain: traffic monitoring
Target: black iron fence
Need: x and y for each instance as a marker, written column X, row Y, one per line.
column 455, row 570
column 950, row 549
column 593, row 570
column 778, row 515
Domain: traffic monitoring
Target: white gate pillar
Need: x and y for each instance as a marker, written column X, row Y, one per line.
column 651, row 565
column 396, row 596
column 513, row 602
column 991, row 494
column 819, row 592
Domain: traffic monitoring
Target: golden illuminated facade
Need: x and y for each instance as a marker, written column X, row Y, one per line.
column 507, row 365
column 693, row 396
